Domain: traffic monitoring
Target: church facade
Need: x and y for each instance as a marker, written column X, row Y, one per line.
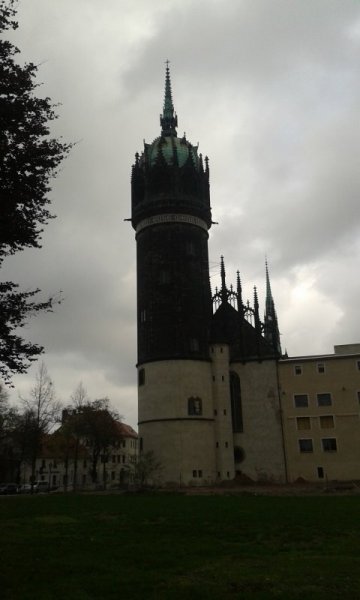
column 209, row 370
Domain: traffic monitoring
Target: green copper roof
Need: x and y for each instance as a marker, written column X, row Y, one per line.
column 173, row 150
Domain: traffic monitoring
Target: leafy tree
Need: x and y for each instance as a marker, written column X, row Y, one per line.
column 29, row 158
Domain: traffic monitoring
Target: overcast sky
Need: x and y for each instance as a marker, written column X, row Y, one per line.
column 271, row 91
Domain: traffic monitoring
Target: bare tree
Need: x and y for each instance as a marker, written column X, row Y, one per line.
column 72, row 427
column 42, row 411
column 147, row 468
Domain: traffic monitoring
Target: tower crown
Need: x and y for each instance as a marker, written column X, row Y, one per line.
column 169, row 176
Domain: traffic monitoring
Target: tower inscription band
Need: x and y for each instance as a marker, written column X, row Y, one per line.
column 171, row 218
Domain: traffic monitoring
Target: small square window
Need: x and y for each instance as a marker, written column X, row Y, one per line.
column 320, row 368
column 306, row 445
column 301, row 400
column 329, row 444
column 298, row 370
column 324, row 399
column 303, row 423
column 327, row 422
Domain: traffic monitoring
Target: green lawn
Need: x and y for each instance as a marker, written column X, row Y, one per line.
column 173, row 546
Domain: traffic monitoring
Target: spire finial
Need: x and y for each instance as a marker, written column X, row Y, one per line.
column 271, row 329
column 168, row 119
column 239, row 293
column 223, row 282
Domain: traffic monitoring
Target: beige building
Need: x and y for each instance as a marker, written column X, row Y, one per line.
column 65, row 468
column 320, row 402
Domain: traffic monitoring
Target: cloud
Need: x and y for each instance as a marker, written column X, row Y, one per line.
column 270, row 90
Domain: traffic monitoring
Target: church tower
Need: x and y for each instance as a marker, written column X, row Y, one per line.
column 171, row 216
column 209, row 406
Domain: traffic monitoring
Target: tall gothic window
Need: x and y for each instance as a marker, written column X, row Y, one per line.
column 236, row 405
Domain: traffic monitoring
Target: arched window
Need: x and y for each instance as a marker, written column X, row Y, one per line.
column 194, row 406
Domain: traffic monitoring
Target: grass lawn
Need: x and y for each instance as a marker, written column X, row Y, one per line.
column 173, row 546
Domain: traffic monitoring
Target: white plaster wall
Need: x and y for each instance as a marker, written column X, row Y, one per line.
column 262, row 438
column 182, row 443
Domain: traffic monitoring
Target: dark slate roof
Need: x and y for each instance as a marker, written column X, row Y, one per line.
column 244, row 341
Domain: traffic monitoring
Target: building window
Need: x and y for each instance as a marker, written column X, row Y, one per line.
column 327, row 422
column 358, row 397
column 200, row 473
column 228, row 474
column 164, row 277
column 320, row 367
column 194, row 345
column 324, row 399
column 298, row 370
column 222, row 378
column 194, row 473
column 217, row 444
column 215, row 412
column 112, row 475
column 224, row 411
column 141, row 376
column 301, row 400
column 329, row 444
column 194, row 406
column 190, row 248
column 213, row 377
column 358, row 365
column 320, row 472
column 306, row 445
column 303, row 423
column 141, row 444
column 221, row 350
column 143, row 316
column 226, row 444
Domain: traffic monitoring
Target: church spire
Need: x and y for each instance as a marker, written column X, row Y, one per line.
column 224, row 294
column 271, row 329
column 168, row 119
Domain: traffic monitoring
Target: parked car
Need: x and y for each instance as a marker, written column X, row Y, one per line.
column 8, row 488
column 25, row 488
column 41, row 486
